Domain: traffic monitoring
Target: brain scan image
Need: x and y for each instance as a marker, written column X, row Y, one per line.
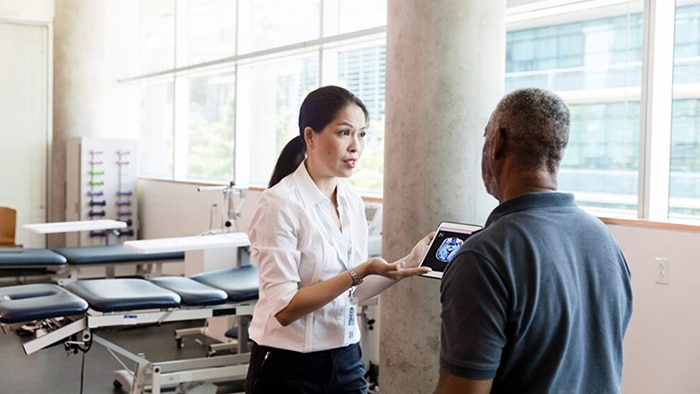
column 449, row 248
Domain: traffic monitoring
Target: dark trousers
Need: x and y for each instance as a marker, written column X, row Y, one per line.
column 275, row 371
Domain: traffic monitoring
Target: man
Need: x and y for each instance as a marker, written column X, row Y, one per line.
column 540, row 299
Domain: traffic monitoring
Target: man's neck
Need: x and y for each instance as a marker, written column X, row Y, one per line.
column 528, row 184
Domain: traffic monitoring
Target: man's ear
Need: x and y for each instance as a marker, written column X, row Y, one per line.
column 498, row 147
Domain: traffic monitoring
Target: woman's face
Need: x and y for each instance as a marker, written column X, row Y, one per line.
column 335, row 151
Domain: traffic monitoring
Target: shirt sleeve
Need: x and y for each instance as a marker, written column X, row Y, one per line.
column 274, row 248
column 474, row 316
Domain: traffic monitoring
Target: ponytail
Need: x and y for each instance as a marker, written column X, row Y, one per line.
column 289, row 159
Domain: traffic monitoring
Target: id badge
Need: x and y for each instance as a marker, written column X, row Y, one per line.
column 352, row 333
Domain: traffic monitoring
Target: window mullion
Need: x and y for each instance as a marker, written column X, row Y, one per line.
column 656, row 103
column 180, row 104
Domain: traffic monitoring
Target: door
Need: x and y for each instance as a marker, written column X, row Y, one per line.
column 24, row 124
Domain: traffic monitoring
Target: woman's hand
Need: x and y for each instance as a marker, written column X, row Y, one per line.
column 418, row 251
column 408, row 266
column 394, row 271
column 380, row 269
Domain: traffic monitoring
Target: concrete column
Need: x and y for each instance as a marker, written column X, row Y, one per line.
column 80, row 83
column 445, row 73
column 89, row 39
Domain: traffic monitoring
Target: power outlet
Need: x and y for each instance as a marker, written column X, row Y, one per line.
column 661, row 268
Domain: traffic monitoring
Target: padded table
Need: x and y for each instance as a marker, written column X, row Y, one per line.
column 104, row 254
column 26, row 265
column 123, row 294
column 110, row 256
column 30, row 258
column 241, row 283
column 38, row 301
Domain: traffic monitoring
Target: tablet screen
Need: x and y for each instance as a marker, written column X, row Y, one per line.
column 449, row 238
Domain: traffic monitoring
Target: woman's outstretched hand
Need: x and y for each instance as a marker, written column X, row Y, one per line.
column 408, row 266
column 395, row 271
column 418, row 251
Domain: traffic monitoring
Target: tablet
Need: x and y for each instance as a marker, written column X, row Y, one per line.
column 448, row 239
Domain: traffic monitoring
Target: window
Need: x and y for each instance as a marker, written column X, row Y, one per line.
column 270, row 93
column 593, row 58
column 634, row 147
column 156, row 42
column 206, row 115
column 684, row 169
column 266, row 24
column 157, row 142
column 221, row 82
column 206, row 31
column 347, row 16
column 361, row 68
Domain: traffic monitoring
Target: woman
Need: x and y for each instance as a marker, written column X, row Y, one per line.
column 309, row 239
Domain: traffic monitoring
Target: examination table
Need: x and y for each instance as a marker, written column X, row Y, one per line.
column 74, row 313
column 62, row 265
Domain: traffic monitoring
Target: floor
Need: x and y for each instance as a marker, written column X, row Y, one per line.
column 53, row 370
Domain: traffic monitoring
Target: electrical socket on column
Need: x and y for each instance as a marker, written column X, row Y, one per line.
column 661, row 268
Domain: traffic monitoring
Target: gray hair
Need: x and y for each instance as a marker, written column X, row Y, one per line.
column 537, row 125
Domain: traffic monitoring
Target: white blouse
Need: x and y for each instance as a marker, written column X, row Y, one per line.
column 295, row 243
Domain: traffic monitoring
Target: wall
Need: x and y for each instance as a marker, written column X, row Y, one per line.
column 662, row 348
column 173, row 209
column 27, row 10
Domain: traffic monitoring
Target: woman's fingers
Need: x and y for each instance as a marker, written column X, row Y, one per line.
column 398, row 270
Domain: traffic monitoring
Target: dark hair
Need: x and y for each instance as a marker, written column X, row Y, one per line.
column 318, row 109
column 289, row 159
